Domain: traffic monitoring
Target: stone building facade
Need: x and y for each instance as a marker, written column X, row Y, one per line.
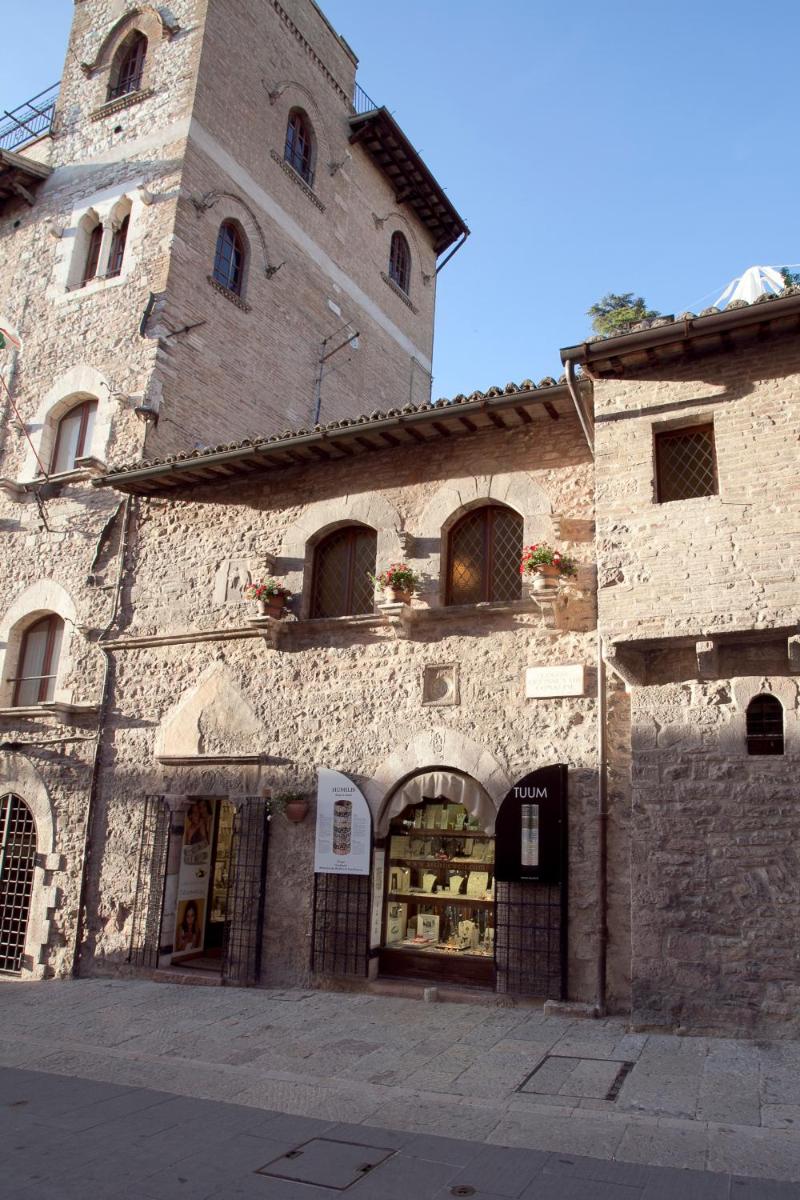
column 256, row 363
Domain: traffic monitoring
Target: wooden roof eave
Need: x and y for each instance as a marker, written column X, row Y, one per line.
column 351, row 440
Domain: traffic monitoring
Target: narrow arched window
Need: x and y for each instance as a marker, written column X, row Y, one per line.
column 92, row 254
column 765, row 725
column 38, row 662
column 128, row 66
column 343, row 562
column 229, row 258
column 484, row 552
column 17, row 862
column 400, row 261
column 74, row 436
column 298, row 151
column 117, row 252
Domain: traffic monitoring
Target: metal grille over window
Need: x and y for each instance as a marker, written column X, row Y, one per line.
column 530, row 928
column 341, row 925
column 342, row 565
column 151, row 873
column 247, row 865
column 229, row 258
column 765, row 725
column 485, row 553
column 685, row 465
column 297, row 151
column 17, row 860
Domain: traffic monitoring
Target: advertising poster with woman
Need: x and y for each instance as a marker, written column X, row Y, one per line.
column 194, row 878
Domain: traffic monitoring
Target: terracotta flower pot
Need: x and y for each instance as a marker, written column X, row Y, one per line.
column 296, row 811
column 545, row 577
column 271, row 606
column 399, row 597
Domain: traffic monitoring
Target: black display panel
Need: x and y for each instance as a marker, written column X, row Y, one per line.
column 531, row 829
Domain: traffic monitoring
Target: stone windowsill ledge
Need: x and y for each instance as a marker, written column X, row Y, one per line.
column 295, row 177
column 65, row 710
column 228, row 294
column 398, row 291
column 217, row 760
column 117, row 105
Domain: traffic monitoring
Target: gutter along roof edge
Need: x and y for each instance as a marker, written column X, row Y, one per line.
column 684, row 328
column 326, row 437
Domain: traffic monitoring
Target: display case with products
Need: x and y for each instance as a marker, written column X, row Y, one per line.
column 440, row 896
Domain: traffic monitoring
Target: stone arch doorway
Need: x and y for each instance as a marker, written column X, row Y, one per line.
column 17, row 863
column 436, row 839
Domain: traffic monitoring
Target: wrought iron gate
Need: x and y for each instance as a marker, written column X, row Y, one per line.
column 151, row 873
column 530, row 939
column 340, row 941
column 244, row 920
column 17, row 860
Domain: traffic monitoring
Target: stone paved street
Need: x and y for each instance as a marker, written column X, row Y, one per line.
column 111, row 1081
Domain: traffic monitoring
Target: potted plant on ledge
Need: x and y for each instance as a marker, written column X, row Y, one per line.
column 546, row 567
column 398, row 583
column 293, row 805
column 270, row 595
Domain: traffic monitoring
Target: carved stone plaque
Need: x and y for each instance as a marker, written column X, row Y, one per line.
column 566, row 680
column 440, row 684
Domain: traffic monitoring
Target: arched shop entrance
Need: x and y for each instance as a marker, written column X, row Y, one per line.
column 438, row 918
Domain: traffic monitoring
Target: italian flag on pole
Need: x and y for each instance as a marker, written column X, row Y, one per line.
column 9, row 340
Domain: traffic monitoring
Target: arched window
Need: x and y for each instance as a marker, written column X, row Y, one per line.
column 400, row 261
column 485, row 548
column 38, row 662
column 92, row 254
column 229, row 258
column 74, row 436
column 765, row 725
column 343, row 562
column 17, row 861
column 117, row 252
column 128, row 65
column 298, row 151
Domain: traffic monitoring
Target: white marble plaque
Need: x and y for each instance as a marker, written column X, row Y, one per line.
column 568, row 680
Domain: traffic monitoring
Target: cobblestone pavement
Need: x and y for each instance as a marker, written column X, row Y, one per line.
column 471, row 1074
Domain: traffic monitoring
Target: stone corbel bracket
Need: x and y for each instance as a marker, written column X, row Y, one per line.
column 629, row 665
column 707, row 654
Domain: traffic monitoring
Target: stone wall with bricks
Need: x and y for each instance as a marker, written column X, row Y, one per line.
column 192, row 676
column 711, row 563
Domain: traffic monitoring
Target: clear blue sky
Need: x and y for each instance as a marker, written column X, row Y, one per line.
column 590, row 148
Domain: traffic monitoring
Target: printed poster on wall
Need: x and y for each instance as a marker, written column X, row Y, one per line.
column 344, row 827
column 531, row 829
column 194, row 877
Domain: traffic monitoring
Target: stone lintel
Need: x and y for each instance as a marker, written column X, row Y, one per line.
column 707, row 653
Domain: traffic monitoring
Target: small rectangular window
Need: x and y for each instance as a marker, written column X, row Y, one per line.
column 685, row 463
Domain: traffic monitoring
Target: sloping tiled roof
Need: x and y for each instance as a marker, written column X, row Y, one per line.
column 498, row 407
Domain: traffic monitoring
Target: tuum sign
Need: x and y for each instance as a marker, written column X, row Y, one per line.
column 531, row 829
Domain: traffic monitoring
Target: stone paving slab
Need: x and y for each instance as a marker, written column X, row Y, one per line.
column 390, row 1063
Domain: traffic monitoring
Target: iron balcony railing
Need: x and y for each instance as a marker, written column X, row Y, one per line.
column 362, row 103
column 29, row 121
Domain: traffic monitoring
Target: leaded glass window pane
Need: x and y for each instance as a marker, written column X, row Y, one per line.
column 342, row 565
column 485, row 553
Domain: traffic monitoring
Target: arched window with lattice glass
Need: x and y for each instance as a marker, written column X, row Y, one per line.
column 484, row 553
column 400, row 261
column 765, row 725
column 343, row 563
column 229, row 258
column 299, row 149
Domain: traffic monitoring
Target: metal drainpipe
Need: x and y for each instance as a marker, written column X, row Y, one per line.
column 602, row 834
column 104, row 697
column 576, row 400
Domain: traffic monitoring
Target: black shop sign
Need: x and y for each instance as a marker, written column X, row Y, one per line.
column 531, row 829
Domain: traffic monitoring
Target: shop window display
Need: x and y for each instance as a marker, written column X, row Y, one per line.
column 440, row 896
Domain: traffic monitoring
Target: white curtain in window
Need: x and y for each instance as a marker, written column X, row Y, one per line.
column 435, row 785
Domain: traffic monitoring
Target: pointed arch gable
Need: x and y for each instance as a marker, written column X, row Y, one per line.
column 211, row 715
column 145, row 18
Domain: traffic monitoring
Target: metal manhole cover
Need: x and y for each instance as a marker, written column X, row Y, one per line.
column 589, row 1078
column 326, row 1163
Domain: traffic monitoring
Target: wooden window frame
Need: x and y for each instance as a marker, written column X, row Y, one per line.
column 53, row 621
column 116, row 255
column 92, row 260
column 303, row 163
column 130, row 68
column 86, row 408
column 237, row 286
column 400, row 272
column 660, row 436
column 353, row 532
column 487, row 580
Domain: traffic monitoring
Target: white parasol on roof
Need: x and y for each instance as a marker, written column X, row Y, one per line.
column 752, row 283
